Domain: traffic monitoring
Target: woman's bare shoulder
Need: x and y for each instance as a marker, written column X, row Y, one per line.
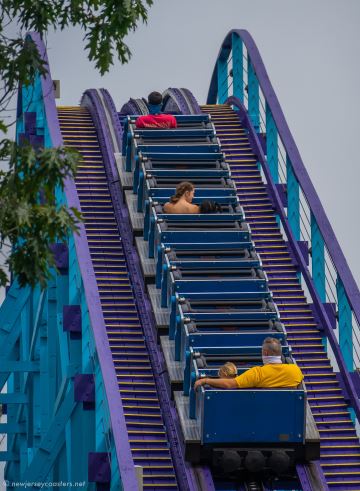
column 168, row 207
column 194, row 208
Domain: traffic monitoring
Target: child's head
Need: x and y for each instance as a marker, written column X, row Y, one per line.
column 228, row 370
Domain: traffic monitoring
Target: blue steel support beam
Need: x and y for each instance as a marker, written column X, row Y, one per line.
column 51, row 443
column 318, row 263
column 50, row 356
column 318, row 259
column 75, row 462
column 345, row 325
column 272, row 145
column 238, row 67
column 222, row 80
column 253, row 96
column 293, row 211
column 18, row 366
column 62, row 298
column 10, row 325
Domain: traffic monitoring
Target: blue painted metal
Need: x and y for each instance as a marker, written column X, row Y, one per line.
column 219, row 339
column 253, row 96
column 238, row 67
column 293, row 209
column 272, row 144
column 345, row 325
column 318, row 263
column 318, row 259
column 202, row 237
column 264, row 408
column 222, row 74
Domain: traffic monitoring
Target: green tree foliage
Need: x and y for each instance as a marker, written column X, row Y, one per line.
column 30, row 219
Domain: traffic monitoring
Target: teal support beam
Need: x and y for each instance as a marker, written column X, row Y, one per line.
column 318, row 259
column 19, row 366
column 51, row 443
column 13, row 398
column 238, row 67
column 293, row 211
column 345, row 325
column 318, row 264
column 253, row 97
column 12, row 428
column 9, row 457
column 272, row 145
column 222, row 75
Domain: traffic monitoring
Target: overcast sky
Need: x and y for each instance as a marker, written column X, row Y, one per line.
column 310, row 49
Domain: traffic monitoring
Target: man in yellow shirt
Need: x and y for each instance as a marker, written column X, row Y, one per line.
column 272, row 374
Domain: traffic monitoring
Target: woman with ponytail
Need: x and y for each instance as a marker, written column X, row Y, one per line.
column 181, row 201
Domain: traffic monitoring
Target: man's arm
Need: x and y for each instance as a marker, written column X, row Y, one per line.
column 217, row 383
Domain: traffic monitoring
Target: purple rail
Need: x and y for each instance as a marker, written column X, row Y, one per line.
column 332, row 245
column 118, row 426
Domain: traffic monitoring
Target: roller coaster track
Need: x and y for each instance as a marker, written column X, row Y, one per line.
column 340, row 448
column 129, row 369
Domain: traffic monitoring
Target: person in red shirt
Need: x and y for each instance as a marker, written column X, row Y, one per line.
column 156, row 120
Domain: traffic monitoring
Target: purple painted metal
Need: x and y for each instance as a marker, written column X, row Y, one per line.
column 337, row 256
column 72, row 318
column 311, row 477
column 114, row 120
column 304, row 479
column 36, row 141
column 194, row 106
column 282, row 193
column 296, row 251
column 355, row 376
column 99, row 467
column 205, row 478
column 84, row 387
column 133, row 107
column 330, row 309
column 304, row 248
column 61, row 256
column 180, row 100
column 118, row 425
column 30, row 122
column 184, row 473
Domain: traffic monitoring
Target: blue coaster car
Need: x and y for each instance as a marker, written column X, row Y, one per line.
column 202, row 232
column 168, row 161
column 251, row 415
column 214, row 270
column 228, row 294
column 228, row 333
column 201, row 260
column 135, row 148
column 231, row 210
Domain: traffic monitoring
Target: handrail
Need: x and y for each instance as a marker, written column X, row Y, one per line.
column 301, row 174
column 118, row 425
